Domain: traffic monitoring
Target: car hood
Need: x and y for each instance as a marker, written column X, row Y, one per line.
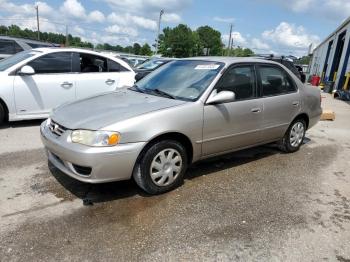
column 100, row 111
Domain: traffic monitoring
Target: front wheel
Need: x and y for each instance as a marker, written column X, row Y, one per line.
column 161, row 167
column 294, row 136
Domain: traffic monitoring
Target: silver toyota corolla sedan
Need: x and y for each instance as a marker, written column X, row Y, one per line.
column 185, row 111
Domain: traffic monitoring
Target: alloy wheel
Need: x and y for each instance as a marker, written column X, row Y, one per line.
column 297, row 134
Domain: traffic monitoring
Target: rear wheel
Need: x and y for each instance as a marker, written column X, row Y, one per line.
column 294, row 136
column 2, row 114
column 161, row 168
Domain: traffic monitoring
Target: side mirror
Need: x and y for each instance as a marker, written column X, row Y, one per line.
column 221, row 97
column 26, row 71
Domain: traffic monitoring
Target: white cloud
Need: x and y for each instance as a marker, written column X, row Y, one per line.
column 96, row 16
column 331, row 9
column 258, row 44
column 116, row 29
column 224, row 19
column 144, row 22
column 73, row 8
column 128, row 19
column 149, row 5
column 171, row 18
column 290, row 35
column 78, row 30
column 238, row 39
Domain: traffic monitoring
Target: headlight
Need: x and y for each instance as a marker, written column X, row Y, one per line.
column 95, row 138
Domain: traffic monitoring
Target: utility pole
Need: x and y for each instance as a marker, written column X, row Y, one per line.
column 160, row 18
column 67, row 39
column 37, row 20
column 231, row 46
column 229, row 41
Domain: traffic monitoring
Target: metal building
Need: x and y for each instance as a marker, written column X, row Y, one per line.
column 330, row 59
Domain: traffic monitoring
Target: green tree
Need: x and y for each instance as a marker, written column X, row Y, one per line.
column 305, row 60
column 179, row 41
column 129, row 49
column 239, row 52
column 210, row 39
column 137, row 48
column 146, row 50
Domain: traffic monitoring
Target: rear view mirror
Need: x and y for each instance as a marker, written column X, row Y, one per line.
column 221, row 97
column 26, row 71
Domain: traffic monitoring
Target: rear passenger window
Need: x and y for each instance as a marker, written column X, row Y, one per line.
column 60, row 62
column 9, row 47
column 239, row 80
column 92, row 64
column 115, row 67
column 274, row 81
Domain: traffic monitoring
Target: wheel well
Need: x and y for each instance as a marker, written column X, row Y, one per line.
column 184, row 140
column 5, row 108
column 305, row 117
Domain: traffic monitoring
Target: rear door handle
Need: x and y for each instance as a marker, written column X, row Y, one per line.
column 110, row 81
column 295, row 103
column 256, row 110
column 67, row 84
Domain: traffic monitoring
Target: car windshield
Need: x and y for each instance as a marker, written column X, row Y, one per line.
column 182, row 79
column 12, row 60
column 151, row 64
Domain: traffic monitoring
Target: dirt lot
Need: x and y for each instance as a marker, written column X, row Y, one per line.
column 254, row 205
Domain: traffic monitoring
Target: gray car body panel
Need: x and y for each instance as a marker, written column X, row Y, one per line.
column 212, row 129
column 100, row 111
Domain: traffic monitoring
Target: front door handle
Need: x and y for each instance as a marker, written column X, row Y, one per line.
column 295, row 103
column 67, row 84
column 110, row 81
column 256, row 110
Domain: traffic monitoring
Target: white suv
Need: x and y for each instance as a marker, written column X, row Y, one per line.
column 35, row 81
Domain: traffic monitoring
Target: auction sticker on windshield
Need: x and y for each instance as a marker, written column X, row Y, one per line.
column 207, row 67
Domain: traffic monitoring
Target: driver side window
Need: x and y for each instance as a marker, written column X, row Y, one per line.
column 239, row 80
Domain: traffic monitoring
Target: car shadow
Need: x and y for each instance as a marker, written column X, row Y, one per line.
column 24, row 123
column 98, row 193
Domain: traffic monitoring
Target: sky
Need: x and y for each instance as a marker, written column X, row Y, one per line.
column 266, row 26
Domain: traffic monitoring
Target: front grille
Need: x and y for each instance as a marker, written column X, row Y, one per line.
column 56, row 128
column 82, row 170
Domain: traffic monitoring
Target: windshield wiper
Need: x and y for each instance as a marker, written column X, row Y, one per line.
column 136, row 88
column 162, row 93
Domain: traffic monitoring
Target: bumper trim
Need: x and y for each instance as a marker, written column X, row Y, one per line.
column 107, row 163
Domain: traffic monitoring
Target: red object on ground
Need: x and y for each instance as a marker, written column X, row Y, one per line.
column 315, row 80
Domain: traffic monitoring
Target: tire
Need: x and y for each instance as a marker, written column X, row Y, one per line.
column 294, row 136
column 2, row 114
column 161, row 167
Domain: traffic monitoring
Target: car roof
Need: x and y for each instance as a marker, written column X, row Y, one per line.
column 27, row 40
column 232, row 60
column 48, row 50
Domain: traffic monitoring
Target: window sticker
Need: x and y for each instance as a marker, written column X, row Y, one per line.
column 207, row 67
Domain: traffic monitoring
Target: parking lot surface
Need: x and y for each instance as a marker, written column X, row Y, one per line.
column 254, row 205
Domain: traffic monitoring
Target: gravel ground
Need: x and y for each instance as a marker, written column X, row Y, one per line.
column 253, row 205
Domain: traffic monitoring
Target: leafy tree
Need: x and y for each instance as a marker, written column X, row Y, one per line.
column 146, row 50
column 129, row 49
column 179, row 41
column 305, row 60
column 239, row 52
column 137, row 48
column 211, row 39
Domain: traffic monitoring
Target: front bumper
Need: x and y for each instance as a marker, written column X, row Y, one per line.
column 96, row 164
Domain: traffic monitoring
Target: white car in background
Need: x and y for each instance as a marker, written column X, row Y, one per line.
column 35, row 81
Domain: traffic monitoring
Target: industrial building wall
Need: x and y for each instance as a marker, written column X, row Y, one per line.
column 320, row 53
